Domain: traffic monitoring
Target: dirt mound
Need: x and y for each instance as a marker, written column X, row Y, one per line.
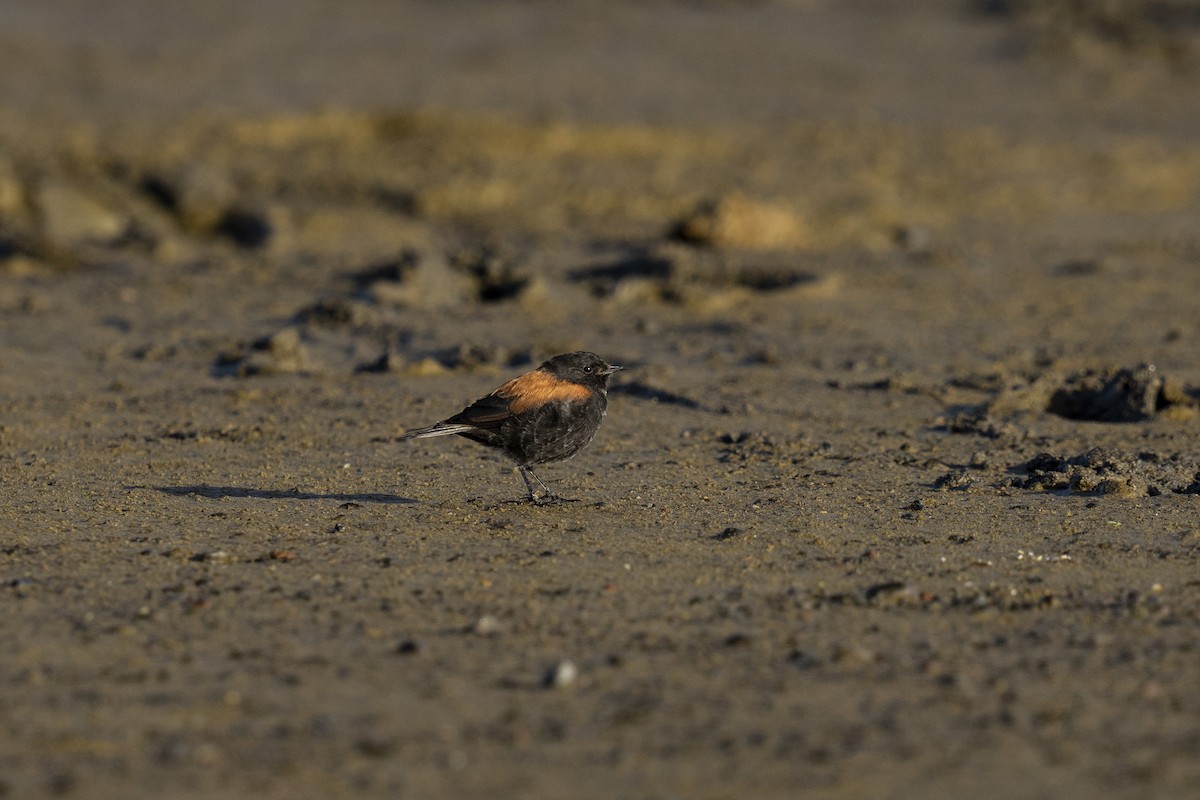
column 1102, row 471
column 1111, row 394
column 1118, row 394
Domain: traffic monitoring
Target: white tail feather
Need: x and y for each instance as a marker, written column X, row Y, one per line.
column 437, row 430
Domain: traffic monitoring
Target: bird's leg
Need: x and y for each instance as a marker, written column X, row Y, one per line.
column 547, row 496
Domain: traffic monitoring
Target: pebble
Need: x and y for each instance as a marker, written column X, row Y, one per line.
column 245, row 227
column 201, row 195
column 70, row 217
column 914, row 239
column 853, row 655
column 562, row 674
column 954, row 480
column 214, row 557
column 408, row 647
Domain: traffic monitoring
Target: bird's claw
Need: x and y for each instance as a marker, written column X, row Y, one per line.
column 549, row 500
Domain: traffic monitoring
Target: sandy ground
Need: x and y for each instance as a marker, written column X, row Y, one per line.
column 898, row 496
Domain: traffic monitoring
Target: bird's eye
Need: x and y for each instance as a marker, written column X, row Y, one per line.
column 589, row 368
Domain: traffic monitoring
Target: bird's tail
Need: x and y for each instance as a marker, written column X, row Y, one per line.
column 441, row 429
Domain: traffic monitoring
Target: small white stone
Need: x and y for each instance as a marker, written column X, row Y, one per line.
column 563, row 674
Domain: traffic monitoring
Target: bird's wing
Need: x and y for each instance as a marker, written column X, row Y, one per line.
column 486, row 412
column 530, row 391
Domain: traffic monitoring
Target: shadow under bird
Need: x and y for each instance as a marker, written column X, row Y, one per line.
column 543, row 416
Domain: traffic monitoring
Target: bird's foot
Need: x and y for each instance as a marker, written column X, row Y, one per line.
column 549, row 500
column 538, row 500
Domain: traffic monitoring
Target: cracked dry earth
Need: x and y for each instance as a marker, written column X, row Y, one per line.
column 898, row 495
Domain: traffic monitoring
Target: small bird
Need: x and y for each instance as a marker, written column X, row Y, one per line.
column 546, row 415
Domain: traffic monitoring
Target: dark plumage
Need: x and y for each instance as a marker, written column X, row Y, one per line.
column 546, row 415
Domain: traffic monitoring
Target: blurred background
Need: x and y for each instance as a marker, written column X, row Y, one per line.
column 441, row 153
column 1117, row 65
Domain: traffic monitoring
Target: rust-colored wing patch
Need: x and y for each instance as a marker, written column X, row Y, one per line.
column 538, row 388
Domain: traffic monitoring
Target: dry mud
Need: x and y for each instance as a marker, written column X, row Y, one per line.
column 899, row 494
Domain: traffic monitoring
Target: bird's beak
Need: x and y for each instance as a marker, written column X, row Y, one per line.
column 612, row 368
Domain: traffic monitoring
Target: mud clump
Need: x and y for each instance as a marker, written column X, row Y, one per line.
column 419, row 279
column 71, row 216
column 979, row 421
column 200, row 195
column 450, row 279
column 1101, row 471
column 700, row 279
column 739, row 221
column 499, row 275
column 1118, row 395
column 280, row 353
column 1111, row 394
